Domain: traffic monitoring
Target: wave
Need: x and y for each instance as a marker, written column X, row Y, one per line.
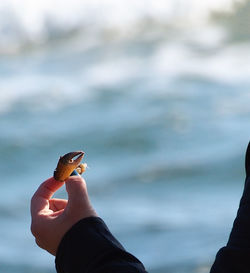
column 23, row 23
column 67, row 55
column 167, row 70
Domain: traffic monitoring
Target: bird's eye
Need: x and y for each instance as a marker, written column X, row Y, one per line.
column 71, row 161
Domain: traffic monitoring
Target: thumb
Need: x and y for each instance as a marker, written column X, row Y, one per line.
column 78, row 201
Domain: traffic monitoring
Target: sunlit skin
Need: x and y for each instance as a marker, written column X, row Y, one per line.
column 51, row 218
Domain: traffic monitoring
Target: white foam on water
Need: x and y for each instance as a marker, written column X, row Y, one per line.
column 25, row 89
column 174, row 56
column 230, row 65
column 28, row 21
column 53, row 91
column 156, row 72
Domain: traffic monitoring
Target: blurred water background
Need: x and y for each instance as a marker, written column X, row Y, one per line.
column 157, row 95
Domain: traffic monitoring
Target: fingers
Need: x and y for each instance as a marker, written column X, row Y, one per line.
column 48, row 188
column 57, row 204
column 77, row 190
column 40, row 199
column 79, row 205
column 77, row 193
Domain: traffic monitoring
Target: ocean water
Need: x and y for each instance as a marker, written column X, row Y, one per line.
column 157, row 95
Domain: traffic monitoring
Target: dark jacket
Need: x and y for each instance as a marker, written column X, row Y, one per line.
column 89, row 247
column 235, row 256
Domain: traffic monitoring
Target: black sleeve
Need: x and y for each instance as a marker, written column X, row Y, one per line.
column 235, row 256
column 89, row 247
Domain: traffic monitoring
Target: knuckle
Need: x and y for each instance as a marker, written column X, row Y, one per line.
column 38, row 242
column 34, row 229
column 33, row 200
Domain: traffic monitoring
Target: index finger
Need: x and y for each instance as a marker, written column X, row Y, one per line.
column 44, row 193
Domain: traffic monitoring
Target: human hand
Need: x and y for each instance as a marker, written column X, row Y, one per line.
column 52, row 218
